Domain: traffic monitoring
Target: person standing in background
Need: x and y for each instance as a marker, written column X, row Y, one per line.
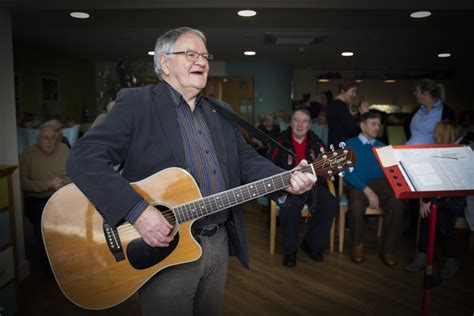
column 420, row 125
column 449, row 209
column 341, row 124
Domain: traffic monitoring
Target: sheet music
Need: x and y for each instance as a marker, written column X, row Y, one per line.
column 438, row 169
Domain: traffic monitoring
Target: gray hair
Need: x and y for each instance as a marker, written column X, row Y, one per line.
column 165, row 43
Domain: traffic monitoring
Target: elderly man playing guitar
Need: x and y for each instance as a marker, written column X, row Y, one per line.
column 157, row 129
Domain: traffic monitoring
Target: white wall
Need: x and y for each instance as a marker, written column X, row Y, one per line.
column 8, row 138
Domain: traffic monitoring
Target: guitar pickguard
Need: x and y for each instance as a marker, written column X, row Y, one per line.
column 142, row 256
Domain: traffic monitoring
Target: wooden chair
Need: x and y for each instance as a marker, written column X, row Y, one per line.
column 461, row 223
column 343, row 206
column 305, row 212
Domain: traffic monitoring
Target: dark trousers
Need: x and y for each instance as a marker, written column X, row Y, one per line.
column 34, row 210
column 448, row 211
column 393, row 213
column 323, row 212
column 194, row 288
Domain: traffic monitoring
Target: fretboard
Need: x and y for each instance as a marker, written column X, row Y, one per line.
column 223, row 200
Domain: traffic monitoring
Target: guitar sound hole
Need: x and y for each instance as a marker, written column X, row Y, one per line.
column 141, row 256
column 170, row 217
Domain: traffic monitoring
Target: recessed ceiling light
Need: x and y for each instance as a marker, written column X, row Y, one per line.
column 247, row 13
column 323, row 80
column 420, row 14
column 347, row 54
column 250, row 53
column 80, row 15
column 390, row 81
column 444, row 55
column 151, row 53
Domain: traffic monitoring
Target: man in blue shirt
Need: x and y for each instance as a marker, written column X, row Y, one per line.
column 368, row 187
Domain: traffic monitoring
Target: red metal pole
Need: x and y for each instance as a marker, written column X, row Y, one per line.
column 428, row 279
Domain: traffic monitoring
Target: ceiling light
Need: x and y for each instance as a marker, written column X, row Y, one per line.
column 80, row 15
column 359, row 81
column 250, row 53
column 247, row 13
column 151, row 53
column 347, row 54
column 323, row 80
column 420, row 14
column 390, row 81
column 444, row 55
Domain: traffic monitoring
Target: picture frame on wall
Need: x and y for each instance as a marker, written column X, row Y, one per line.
column 50, row 90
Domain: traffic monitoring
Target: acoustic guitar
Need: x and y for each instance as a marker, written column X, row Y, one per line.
column 98, row 266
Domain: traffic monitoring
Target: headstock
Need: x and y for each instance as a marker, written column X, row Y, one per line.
column 335, row 161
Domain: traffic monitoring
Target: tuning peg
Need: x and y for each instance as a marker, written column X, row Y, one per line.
column 342, row 145
column 332, row 178
column 321, row 149
column 331, row 147
column 351, row 169
column 341, row 174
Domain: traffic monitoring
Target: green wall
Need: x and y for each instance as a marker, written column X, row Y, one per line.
column 76, row 79
column 272, row 84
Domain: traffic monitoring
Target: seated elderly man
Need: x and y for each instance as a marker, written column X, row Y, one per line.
column 42, row 172
column 368, row 187
column 306, row 145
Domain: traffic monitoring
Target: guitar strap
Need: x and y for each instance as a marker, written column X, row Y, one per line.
column 237, row 121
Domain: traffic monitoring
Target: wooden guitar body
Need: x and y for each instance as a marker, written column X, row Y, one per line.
column 83, row 265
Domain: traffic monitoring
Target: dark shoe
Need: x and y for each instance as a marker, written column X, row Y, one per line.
column 418, row 263
column 313, row 254
column 358, row 254
column 289, row 260
column 449, row 269
column 389, row 259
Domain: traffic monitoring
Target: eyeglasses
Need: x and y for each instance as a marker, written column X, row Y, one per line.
column 193, row 56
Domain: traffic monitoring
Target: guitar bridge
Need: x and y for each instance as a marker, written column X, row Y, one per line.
column 113, row 242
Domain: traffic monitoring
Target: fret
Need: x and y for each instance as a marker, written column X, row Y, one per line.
column 205, row 206
column 181, row 213
column 252, row 191
column 212, row 204
column 227, row 196
column 226, row 199
column 238, row 192
column 219, row 202
column 202, row 208
column 268, row 185
column 185, row 212
column 190, row 211
column 260, row 188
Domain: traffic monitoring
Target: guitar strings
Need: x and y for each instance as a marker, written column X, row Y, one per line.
column 128, row 229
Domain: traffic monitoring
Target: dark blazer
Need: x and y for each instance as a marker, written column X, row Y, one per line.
column 142, row 133
column 341, row 124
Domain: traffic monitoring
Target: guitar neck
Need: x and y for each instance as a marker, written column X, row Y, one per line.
column 326, row 164
column 226, row 199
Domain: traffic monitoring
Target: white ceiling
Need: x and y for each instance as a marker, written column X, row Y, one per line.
column 380, row 33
